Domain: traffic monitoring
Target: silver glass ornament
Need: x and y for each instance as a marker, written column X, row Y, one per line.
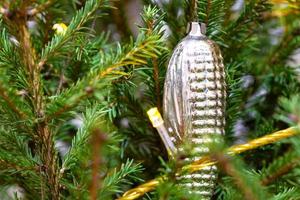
column 194, row 102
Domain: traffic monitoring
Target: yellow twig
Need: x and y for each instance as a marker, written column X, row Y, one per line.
column 207, row 161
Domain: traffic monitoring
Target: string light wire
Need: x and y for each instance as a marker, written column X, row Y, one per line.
column 207, row 161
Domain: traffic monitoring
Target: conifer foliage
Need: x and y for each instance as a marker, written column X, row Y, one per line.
column 73, row 102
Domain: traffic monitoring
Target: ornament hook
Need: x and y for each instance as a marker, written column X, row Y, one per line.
column 196, row 29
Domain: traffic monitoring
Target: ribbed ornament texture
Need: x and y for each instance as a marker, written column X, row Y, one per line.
column 194, row 104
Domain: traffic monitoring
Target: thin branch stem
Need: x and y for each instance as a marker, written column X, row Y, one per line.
column 120, row 18
column 6, row 165
column 10, row 103
column 40, row 8
column 3, row 11
column 156, row 80
column 194, row 10
column 41, row 130
column 280, row 172
column 225, row 164
column 208, row 7
column 97, row 141
column 66, row 108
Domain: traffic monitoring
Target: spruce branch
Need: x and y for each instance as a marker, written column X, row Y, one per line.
column 60, row 40
column 10, row 103
column 41, row 129
column 287, row 193
column 212, row 13
column 113, row 181
column 106, row 69
column 280, row 172
column 153, row 21
column 93, row 117
column 7, row 51
column 239, row 31
column 247, row 184
column 289, row 42
column 280, row 167
column 15, row 152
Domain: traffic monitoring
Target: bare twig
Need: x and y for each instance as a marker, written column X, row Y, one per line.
column 97, row 141
column 156, row 80
column 120, row 19
column 194, row 10
column 40, row 8
column 208, row 7
column 225, row 164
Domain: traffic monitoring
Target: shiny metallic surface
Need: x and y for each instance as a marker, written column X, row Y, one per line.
column 194, row 102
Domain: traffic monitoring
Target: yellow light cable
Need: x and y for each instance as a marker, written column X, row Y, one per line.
column 206, row 161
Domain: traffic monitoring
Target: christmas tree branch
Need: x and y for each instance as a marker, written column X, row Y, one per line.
column 111, row 183
column 59, row 40
column 281, row 171
column 211, row 12
column 280, row 167
column 276, row 56
column 229, row 168
column 41, row 129
column 92, row 118
column 8, row 165
column 153, row 25
column 244, row 26
column 66, row 107
column 144, row 49
column 136, row 56
column 11, row 104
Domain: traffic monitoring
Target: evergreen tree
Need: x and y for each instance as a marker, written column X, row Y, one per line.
column 73, row 100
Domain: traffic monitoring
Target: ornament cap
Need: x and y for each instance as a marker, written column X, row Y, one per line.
column 196, row 29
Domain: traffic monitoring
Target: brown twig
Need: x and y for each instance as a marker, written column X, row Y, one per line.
column 62, row 80
column 120, row 19
column 280, row 172
column 6, row 165
column 194, row 10
column 156, row 80
column 208, row 7
column 40, row 8
column 97, row 140
column 41, row 129
column 225, row 164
